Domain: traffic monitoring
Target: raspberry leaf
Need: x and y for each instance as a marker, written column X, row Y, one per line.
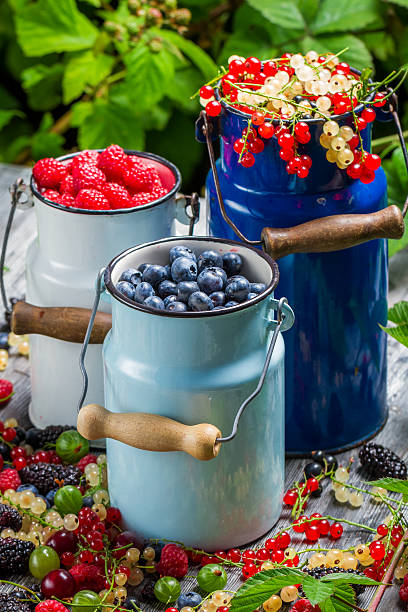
column 195, row 54
column 343, row 15
column 148, row 74
column 344, row 578
column 263, row 585
column 316, row 591
column 84, row 69
column 283, row 14
column 342, row 600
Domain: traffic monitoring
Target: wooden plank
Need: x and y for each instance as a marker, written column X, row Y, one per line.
column 394, row 434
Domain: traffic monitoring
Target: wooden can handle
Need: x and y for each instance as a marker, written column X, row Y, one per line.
column 63, row 323
column 149, row 432
column 333, row 233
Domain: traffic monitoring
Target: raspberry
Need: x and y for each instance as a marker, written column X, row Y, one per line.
column 117, row 196
column 139, row 199
column 88, row 577
column 50, row 605
column 173, row 561
column 82, row 463
column 9, row 479
column 112, row 161
column 67, row 185
column 6, row 391
column 49, row 173
column 52, row 195
column 67, row 200
column 139, row 177
column 10, row 518
column 91, row 199
column 403, row 593
column 85, row 157
column 87, row 177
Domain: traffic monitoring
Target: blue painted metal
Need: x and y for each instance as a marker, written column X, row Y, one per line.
column 197, row 369
column 336, row 352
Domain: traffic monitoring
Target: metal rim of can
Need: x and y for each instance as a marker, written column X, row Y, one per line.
column 314, row 121
column 189, row 314
column 120, row 211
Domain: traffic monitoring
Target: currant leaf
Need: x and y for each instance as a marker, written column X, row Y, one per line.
column 317, row 591
column 284, row 14
column 263, row 585
column 391, row 484
column 343, row 16
column 84, row 69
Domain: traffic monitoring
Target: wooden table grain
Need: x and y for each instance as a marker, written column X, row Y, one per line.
column 394, row 434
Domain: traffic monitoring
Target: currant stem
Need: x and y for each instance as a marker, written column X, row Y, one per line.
column 20, row 586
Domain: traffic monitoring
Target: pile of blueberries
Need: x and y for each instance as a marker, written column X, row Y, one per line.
column 189, row 283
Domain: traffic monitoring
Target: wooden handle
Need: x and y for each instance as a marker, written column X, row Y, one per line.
column 63, row 323
column 149, row 432
column 333, row 233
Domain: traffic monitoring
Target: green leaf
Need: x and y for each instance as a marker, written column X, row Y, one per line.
column 263, row 585
column 400, row 333
column 82, row 70
column 6, row 115
column 80, row 112
column 342, row 600
column 47, row 26
column 308, row 9
column 398, row 313
column 391, row 484
column 254, row 41
column 96, row 3
column 343, row 578
column 316, row 591
column 46, row 144
column 284, row 14
column 195, row 54
column 185, row 82
column 43, row 85
column 381, row 44
column 357, row 53
column 111, row 122
column 400, row 2
column 148, row 75
column 343, row 15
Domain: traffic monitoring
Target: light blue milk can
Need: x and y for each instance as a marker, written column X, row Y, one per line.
column 174, row 382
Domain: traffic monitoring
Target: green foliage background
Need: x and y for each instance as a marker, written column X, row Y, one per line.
column 86, row 73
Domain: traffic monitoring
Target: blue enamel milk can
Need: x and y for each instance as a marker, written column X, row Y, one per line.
column 336, row 362
column 173, row 385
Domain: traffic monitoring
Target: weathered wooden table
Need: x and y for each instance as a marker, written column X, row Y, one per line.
column 394, row 434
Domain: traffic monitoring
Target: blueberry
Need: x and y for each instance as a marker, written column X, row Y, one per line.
column 185, row 289
column 218, row 298
column 251, row 295
column 87, row 501
column 20, row 435
column 127, row 274
column 218, row 307
column 231, row 303
column 221, row 273
column 200, row 301
column 168, row 270
column 136, row 278
column 190, row 599
column 166, row 288
column 231, row 279
column 209, row 281
column 181, row 251
column 28, row 487
column 51, row 494
column 155, row 302
column 177, row 307
column 169, row 299
column 126, row 289
column 142, row 292
column 184, row 269
column 209, row 259
column 32, row 437
column 4, row 451
column 4, row 340
column 143, row 267
column 232, row 263
column 154, row 274
column 257, row 288
column 237, row 290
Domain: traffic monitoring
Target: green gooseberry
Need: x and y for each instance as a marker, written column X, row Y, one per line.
column 167, row 589
column 68, row 500
column 42, row 561
column 212, row 577
column 71, row 446
column 86, row 601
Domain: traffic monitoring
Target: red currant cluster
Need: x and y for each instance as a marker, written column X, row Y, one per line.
column 21, row 459
column 316, row 527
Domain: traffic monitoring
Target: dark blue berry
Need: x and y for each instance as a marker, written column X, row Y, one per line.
column 231, row 279
column 4, row 340
column 126, row 289
column 190, row 599
column 131, row 604
column 232, row 263
column 4, row 451
column 231, row 303
column 312, row 470
column 143, row 267
column 209, row 259
column 209, row 281
column 166, row 288
column 181, row 251
column 32, row 437
column 177, row 307
column 154, row 274
column 127, row 274
column 200, row 301
column 154, row 302
column 51, row 494
column 257, row 288
column 221, row 273
column 169, row 299
column 218, row 298
column 184, row 269
column 28, row 487
column 251, row 295
column 143, row 291
column 168, row 270
column 136, row 278
column 185, row 289
column 218, row 307
column 87, row 501
column 237, row 290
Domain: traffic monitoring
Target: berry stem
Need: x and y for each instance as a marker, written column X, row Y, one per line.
column 389, row 574
column 20, row 586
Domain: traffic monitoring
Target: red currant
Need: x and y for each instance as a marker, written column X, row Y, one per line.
column 266, row 130
column 340, row 108
column 206, row 92
column 324, row 527
column 17, row 451
column 301, row 128
column 286, row 154
column 372, row 161
column 368, row 114
column 85, row 556
column 234, row 555
column 377, row 551
column 278, row 556
column 248, row 570
column 354, row 170
column 251, row 134
column 354, row 142
column 291, row 168
column 312, row 532
column 403, row 593
column 226, row 87
column 367, row 176
column 283, row 540
column 262, row 554
column 361, row 124
column 9, row 434
column 172, row 610
column 290, row 496
column 286, row 141
column 371, row 572
column 304, row 138
column 239, row 145
column 247, row 160
column 312, row 483
column 336, row 531
column 270, row 544
column 256, row 146
column 298, row 525
column 213, row 109
column 379, row 99
column 68, row 559
column 237, row 67
column 305, row 160
column 270, row 68
column 302, row 172
column 344, row 67
column 258, row 117
column 249, row 555
column 253, row 65
column 382, row 529
column 20, row 463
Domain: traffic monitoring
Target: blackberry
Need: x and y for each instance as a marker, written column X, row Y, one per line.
column 319, row 572
column 50, row 434
column 381, row 462
column 11, row 602
column 14, row 555
column 147, row 592
column 47, row 476
column 10, row 517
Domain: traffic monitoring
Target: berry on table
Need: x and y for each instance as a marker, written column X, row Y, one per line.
column 50, row 605
column 6, row 391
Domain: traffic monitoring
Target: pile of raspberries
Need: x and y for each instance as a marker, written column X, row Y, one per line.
column 109, row 180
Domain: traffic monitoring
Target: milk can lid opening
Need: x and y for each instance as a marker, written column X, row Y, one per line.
column 169, row 173
column 257, row 265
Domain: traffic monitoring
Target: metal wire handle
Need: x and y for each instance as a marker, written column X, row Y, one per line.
column 17, row 190
column 393, row 106
column 258, row 389
column 192, row 201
